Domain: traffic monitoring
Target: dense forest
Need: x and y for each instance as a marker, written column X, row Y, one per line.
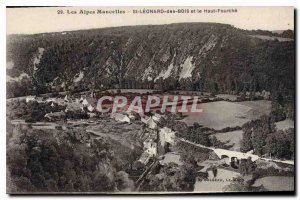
column 189, row 56
column 65, row 161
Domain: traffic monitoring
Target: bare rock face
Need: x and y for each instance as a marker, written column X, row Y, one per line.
column 194, row 56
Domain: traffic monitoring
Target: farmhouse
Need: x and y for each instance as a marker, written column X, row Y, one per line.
column 156, row 117
column 74, row 107
column 120, row 117
column 90, row 108
column 149, row 121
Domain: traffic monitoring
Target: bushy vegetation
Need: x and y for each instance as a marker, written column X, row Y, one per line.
column 64, row 161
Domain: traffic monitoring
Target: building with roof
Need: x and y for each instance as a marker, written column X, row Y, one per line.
column 151, row 123
column 90, row 108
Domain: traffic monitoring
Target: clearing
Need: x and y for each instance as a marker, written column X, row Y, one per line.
column 276, row 183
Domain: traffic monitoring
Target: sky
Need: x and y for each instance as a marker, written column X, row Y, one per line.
column 47, row 19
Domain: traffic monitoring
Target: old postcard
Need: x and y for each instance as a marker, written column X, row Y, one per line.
column 150, row 100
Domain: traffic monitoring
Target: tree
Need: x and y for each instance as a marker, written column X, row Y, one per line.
column 123, row 182
column 247, row 167
column 246, row 143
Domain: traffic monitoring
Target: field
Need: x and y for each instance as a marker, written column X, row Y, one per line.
column 222, row 114
column 276, row 183
column 231, row 138
column 285, row 124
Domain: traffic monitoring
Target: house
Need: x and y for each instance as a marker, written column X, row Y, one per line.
column 90, row 108
column 91, row 114
column 149, row 121
column 150, row 147
column 145, row 119
column 66, row 99
column 92, row 94
column 170, row 157
column 60, row 101
column 85, row 103
column 120, row 117
column 166, row 135
column 131, row 115
column 152, row 124
column 145, row 157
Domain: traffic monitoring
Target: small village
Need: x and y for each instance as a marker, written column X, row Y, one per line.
column 147, row 104
column 159, row 142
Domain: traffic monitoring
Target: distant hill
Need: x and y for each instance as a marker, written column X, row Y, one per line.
column 284, row 33
column 188, row 56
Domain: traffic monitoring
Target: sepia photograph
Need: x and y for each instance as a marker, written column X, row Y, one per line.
column 150, row 100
